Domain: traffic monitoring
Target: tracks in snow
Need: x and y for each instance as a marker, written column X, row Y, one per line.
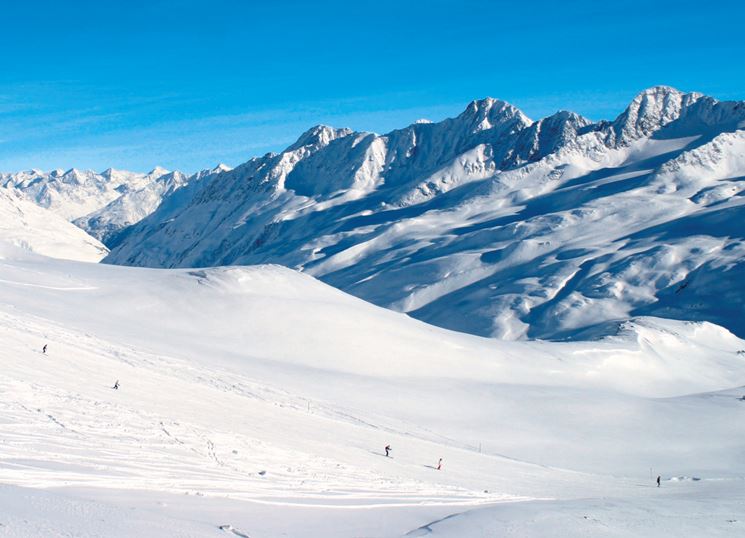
column 69, row 428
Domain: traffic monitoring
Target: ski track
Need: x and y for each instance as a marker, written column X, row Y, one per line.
column 57, row 438
column 56, row 288
column 235, row 432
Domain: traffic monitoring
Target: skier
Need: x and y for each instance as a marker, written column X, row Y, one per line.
column 439, row 464
column 387, row 450
column 116, row 385
column 44, row 349
column 658, row 481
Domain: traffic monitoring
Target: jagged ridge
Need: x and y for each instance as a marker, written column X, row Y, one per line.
column 488, row 222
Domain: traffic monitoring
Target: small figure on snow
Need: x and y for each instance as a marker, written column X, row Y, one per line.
column 44, row 349
column 658, row 480
column 387, row 450
column 439, row 464
column 116, row 385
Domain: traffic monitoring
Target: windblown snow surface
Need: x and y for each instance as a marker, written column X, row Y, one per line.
column 490, row 223
column 256, row 401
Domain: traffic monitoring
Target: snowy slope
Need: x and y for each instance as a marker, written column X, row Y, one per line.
column 259, row 399
column 34, row 229
column 491, row 223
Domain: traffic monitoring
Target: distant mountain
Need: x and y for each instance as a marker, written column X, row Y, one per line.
column 75, row 193
column 130, row 207
column 101, row 203
column 25, row 225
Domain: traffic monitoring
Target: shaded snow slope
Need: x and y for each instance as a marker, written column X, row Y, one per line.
column 34, row 229
column 258, row 399
column 490, row 223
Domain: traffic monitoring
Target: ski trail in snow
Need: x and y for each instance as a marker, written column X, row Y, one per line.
column 195, row 428
column 232, row 530
column 427, row 528
column 56, row 288
column 127, row 447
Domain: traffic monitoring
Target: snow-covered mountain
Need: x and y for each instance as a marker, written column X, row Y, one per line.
column 490, row 223
column 130, row 207
column 76, row 193
column 34, row 229
column 101, row 203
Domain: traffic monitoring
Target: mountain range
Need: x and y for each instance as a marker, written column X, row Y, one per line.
column 258, row 401
column 102, row 203
column 488, row 223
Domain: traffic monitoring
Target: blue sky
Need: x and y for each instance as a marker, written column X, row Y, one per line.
column 192, row 83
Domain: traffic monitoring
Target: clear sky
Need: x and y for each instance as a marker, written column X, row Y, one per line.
column 187, row 84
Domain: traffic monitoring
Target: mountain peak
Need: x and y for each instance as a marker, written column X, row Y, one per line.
column 158, row 171
column 221, row 168
column 108, row 174
column 76, row 174
column 661, row 90
column 482, row 104
column 319, row 135
column 487, row 113
column 649, row 111
column 569, row 116
column 550, row 133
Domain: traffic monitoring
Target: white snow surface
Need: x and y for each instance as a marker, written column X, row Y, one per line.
column 256, row 401
column 491, row 223
column 25, row 225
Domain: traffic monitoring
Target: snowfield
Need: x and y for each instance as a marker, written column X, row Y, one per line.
column 256, row 401
column 34, row 229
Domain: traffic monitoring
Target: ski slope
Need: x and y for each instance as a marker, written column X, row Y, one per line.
column 256, row 401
